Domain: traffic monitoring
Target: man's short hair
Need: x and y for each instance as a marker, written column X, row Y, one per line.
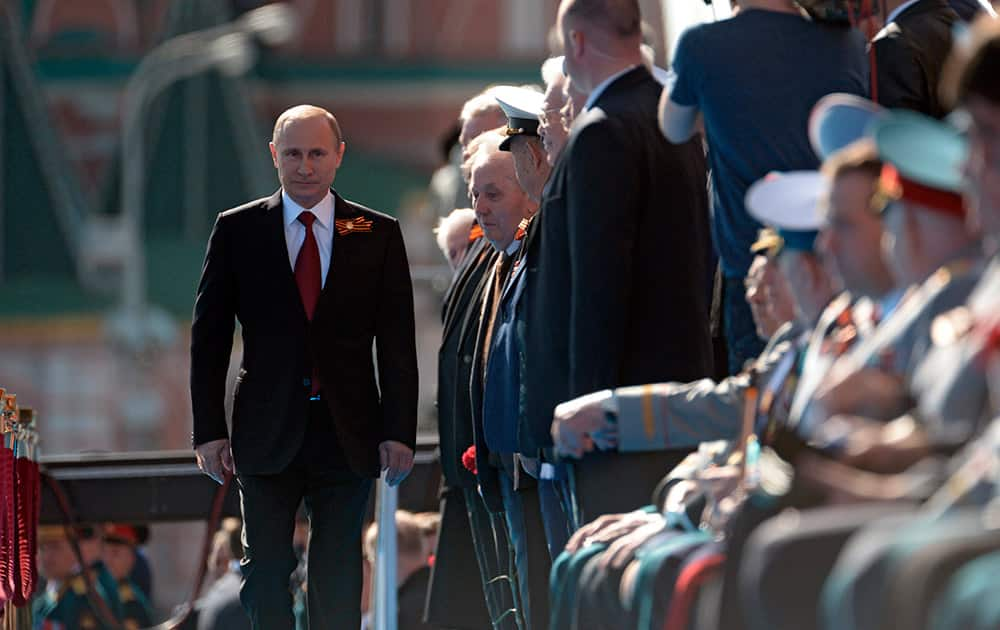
column 858, row 157
column 973, row 68
column 481, row 103
column 303, row 111
column 459, row 219
column 620, row 17
column 481, row 147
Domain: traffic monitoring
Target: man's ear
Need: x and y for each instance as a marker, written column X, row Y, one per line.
column 274, row 153
column 577, row 43
column 340, row 152
column 538, row 154
column 817, row 275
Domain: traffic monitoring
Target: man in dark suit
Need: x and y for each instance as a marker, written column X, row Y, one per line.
column 503, row 207
column 615, row 286
column 314, row 280
column 468, row 553
column 910, row 53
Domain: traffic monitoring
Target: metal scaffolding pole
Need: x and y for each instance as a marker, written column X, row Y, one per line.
column 386, row 501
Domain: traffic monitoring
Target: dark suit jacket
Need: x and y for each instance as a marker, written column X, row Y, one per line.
column 367, row 297
column 463, row 303
column 486, row 471
column 615, row 290
column 909, row 55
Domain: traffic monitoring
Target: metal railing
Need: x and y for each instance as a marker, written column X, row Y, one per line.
column 384, row 602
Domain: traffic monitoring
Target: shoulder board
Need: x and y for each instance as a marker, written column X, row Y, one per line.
column 125, row 592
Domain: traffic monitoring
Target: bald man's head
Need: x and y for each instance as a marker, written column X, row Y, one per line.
column 621, row 19
column 306, row 111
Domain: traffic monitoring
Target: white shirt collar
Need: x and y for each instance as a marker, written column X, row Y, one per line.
column 895, row 12
column 603, row 85
column 323, row 210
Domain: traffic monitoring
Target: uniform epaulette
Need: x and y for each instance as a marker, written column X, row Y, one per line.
column 125, row 592
column 79, row 585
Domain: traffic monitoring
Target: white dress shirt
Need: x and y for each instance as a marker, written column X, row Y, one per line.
column 295, row 230
column 603, row 85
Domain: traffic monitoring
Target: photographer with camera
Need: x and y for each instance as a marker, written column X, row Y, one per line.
column 753, row 79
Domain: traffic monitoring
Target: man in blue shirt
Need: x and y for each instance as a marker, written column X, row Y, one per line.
column 754, row 79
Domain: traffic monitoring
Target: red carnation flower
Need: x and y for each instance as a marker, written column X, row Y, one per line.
column 469, row 459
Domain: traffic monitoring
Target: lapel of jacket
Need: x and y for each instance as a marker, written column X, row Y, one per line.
column 477, row 252
column 277, row 250
column 472, row 252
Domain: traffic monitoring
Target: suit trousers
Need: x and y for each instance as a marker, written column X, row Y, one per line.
column 555, row 503
column 531, row 554
column 491, row 546
column 336, row 499
column 456, row 567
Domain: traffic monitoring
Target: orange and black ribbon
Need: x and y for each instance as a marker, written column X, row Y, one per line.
column 349, row 226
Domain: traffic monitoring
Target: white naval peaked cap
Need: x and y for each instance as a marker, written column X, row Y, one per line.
column 788, row 201
column 519, row 102
column 840, row 119
column 523, row 107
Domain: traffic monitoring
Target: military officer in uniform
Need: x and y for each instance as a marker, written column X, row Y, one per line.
column 120, row 541
column 935, row 253
column 925, row 159
column 951, row 379
column 954, row 379
column 68, row 602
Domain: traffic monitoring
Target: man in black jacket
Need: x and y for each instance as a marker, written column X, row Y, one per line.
column 615, row 288
column 910, row 53
column 314, row 280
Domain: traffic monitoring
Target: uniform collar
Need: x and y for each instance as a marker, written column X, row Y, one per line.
column 323, row 210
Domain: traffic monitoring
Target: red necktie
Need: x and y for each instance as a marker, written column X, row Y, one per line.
column 308, row 275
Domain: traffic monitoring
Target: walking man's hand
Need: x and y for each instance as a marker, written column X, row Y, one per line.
column 215, row 459
column 397, row 461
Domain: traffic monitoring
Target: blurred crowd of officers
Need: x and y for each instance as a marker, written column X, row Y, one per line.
column 93, row 577
column 720, row 349
column 119, row 593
